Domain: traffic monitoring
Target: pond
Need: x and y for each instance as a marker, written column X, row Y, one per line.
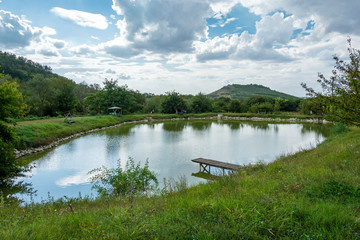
column 169, row 148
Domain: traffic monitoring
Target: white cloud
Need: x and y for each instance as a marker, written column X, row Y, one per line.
column 15, row 31
column 83, row 50
column 119, row 47
column 57, row 43
column 270, row 31
column 334, row 15
column 48, row 46
column 221, row 7
column 229, row 20
column 48, row 52
column 83, row 19
column 162, row 26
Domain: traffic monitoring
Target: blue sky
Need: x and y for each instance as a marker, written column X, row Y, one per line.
column 189, row 46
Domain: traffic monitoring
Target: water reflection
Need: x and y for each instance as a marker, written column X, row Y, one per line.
column 174, row 126
column 235, row 125
column 169, row 147
column 200, row 125
column 321, row 129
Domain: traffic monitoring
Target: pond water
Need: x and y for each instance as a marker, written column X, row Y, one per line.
column 169, row 148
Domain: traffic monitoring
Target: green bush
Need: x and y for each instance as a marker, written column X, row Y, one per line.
column 124, row 182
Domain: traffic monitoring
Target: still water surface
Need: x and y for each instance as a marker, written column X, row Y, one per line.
column 169, row 148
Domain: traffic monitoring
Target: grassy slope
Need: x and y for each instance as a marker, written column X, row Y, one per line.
column 41, row 132
column 314, row 194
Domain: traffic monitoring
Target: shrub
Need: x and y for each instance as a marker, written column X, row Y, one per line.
column 124, row 182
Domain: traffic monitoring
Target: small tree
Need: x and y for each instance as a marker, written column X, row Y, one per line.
column 124, row 182
column 236, row 106
column 341, row 93
column 200, row 104
column 172, row 103
column 221, row 104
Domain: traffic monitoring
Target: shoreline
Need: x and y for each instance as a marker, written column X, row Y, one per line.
column 29, row 151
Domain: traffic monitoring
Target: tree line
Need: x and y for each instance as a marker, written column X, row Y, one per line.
column 174, row 102
column 48, row 94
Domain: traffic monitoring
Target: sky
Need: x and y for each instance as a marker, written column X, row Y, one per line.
column 190, row 46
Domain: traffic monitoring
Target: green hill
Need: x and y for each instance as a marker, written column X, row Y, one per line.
column 21, row 68
column 238, row 91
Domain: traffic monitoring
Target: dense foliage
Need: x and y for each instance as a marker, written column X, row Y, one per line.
column 340, row 96
column 11, row 101
column 45, row 93
column 21, row 68
column 11, row 106
column 173, row 103
column 113, row 95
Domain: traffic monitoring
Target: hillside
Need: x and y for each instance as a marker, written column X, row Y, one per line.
column 238, row 91
column 45, row 93
column 21, row 68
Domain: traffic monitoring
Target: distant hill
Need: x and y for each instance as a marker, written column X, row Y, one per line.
column 237, row 91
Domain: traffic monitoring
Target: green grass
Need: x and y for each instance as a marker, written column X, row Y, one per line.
column 313, row 194
column 40, row 132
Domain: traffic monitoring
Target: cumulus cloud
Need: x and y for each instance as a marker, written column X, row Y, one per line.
column 162, row 26
column 15, row 31
column 222, row 7
column 57, row 43
column 334, row 15
column 83, row 19
column 48, row 46
column 120, row 47
column 271, row 31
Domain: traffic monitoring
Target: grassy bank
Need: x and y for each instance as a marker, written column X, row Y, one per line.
column 36, row 133
column 313, row 194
